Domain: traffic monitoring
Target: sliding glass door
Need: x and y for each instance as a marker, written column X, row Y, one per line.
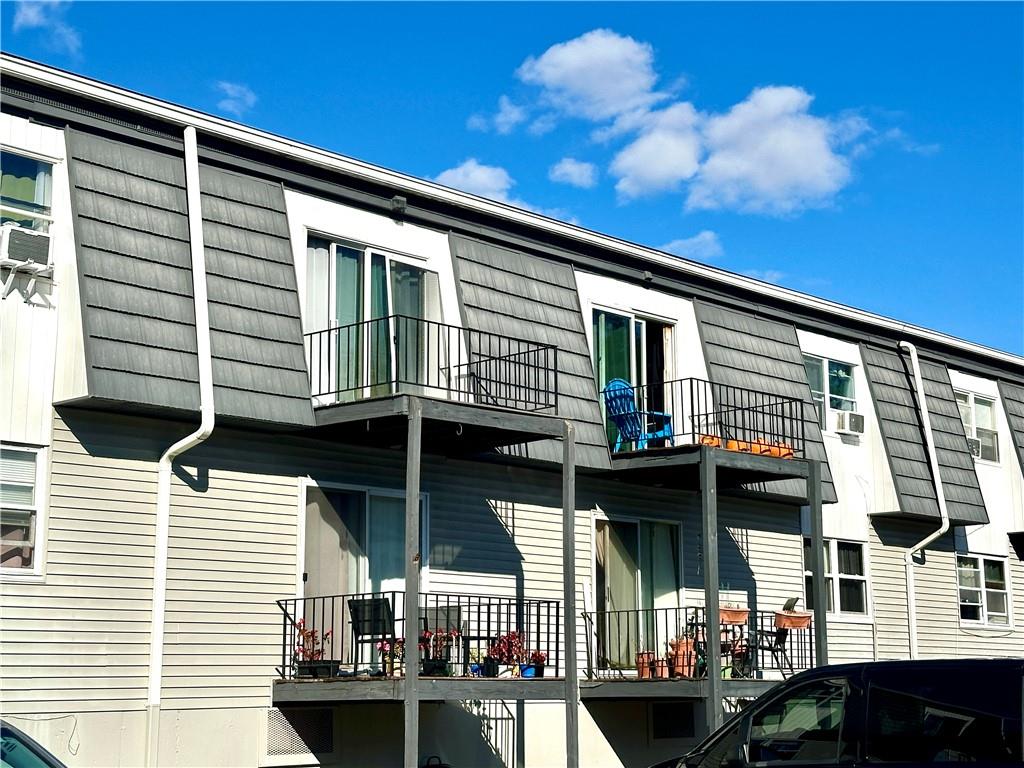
column 352, row 295
column 638, row 588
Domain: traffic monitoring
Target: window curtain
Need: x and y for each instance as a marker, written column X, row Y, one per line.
column 618, row 636
column 386, row 544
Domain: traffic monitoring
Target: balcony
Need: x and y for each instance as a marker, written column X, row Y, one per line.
column 656, row 431
column 664, row 651
column 484, row 388
column 353, row 647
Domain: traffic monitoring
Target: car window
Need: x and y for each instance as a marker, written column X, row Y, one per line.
column 807, row 725
column 16, row 753
column 943, row 715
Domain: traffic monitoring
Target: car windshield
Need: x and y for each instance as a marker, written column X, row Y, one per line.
column 17, row 752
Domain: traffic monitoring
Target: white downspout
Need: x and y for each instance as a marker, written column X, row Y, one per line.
column 163, row 490
column 940, row 496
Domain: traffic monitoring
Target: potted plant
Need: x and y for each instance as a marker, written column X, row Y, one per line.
column 390, row 654
column 644, row 660
column 732, row 614
column 659, row 669
column 309, row 652
column 508, row 649
column 681, row 656
column 537, row 660
column 436, row 648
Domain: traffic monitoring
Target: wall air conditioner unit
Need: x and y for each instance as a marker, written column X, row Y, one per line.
column 975, row 445
column 849, row 423
column 24, row 252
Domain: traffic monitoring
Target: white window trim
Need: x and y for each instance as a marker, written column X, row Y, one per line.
column 827, row 396
column 984, row 622
column 52, row 162
column 973, row 432
column 37, row 573
column 850, row 617
column 300, row 554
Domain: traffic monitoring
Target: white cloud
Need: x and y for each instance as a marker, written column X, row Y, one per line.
column 471, row 176
column 666, row 153
column 597, row 76
column 574, row 172
column 494, row 183
column 237, row 98
column 768, row 154
column 544, row 124
column 704, row 246
column 49, row 17
column 504, row 121
column 766, row 275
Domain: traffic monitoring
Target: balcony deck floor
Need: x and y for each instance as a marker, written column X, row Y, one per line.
column 626, row 688
column 449, row 427
column 289, row 692
column 679, row 467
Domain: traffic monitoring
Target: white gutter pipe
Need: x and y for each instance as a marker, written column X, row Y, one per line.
column 163, row 490
column 940, row 496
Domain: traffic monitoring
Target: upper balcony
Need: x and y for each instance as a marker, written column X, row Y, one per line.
column 483, row 389
column 757, row 435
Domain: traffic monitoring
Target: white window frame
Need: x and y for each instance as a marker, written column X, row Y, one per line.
column 979, row 569
column 29, row 155
column 826, row 396
column 833, row 576
column 971, row 430
column 367, row 491
column 41, row 509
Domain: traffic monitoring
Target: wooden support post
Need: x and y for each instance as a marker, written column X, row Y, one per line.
column 712, row 628
column 412, row 583
column 572, row 687
column 820, row 606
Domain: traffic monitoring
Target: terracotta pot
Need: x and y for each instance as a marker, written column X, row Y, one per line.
column 792, row 620
column 644, row 659
column 683, row 659
column 660, row 669
column 733, row 616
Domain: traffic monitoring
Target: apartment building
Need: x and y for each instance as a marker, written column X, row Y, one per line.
column 272, row 412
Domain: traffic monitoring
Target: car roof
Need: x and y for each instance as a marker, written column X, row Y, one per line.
column 894, row 664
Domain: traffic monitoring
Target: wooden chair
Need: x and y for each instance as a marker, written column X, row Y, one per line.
column 631, row 425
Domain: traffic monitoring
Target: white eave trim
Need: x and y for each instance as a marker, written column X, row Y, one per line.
column 39, row 73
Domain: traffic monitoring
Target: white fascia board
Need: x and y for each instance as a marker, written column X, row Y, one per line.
column 216, row 126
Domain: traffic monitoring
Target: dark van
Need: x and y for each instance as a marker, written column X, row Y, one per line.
column 900, row 713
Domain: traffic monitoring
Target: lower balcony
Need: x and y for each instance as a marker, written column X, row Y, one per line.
column 353, row 647
column 665, row 651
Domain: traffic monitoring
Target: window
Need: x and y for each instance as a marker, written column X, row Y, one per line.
column 831, row 385
column 806, row 725
column 979, row 417
column 983, row 589
column 19, row 508
column 25, row 188
column 943, row 714
column 846, row 581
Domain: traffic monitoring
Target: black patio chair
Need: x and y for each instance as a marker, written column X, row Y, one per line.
column 373, row 621
column 777, row 643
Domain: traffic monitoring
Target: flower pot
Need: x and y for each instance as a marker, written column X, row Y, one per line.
column 792, row 620
column 317, row 670
column 659, row 669
column 476, row 670
column 644, row 659
column 683, row 659
column 527, row 670
column 490, row 667
column 733, row 616
column 538, row 670
column 434, row 668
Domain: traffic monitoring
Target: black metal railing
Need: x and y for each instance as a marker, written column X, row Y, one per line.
column 694, row 411
column 658, row 643
column 364, row 634
column 402, row 354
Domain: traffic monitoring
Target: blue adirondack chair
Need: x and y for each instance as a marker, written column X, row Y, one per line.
column 631, row 424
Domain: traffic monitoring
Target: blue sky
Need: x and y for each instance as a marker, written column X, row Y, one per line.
column 871, row 154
